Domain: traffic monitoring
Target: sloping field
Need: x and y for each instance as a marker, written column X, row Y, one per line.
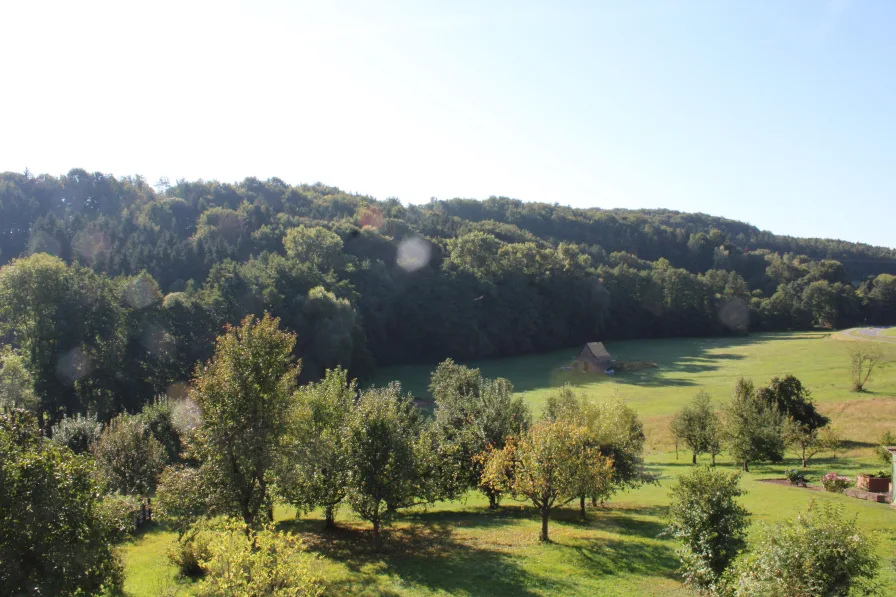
column 462, row 548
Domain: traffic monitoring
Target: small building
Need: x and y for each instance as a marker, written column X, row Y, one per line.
column 594, row 358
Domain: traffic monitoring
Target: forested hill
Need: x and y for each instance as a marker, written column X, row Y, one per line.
column 144, row 278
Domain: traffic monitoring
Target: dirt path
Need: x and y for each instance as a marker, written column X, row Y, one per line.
column 869, row 334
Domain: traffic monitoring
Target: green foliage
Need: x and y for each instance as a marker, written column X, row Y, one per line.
column 159, row 417
column 796, row 476
column 821, row 552
column 315, row 245
column 117, row 513
column 184, row 495
column 888, row 439
column 53, row 537
column 242, row 562
column 753, row 428
column 698, row 427
column 711, row 526
column 78, row 433
column 383, row 466
column 793, row 401
column 553, row 464
column 806, row 442
column 193, row 545
column 16, row 382
column 473, row 414
column 68, row 323
column 313, row 470
column 129, row 458
column 246, row 395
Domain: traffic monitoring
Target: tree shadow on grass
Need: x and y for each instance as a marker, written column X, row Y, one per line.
column 422, row 554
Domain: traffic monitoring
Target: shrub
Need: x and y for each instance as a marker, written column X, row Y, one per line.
column 117, row 512
column 265, row 562
column 193, row 546
column 77, row 433
column 128, row 457
column 184, row 495
column 883, row 455
column 159, row 417
column 52, row 539
column 819, row 553
column 705, row 517
column 835, row 483
column 796, row 476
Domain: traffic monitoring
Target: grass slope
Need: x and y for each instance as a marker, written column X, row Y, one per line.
column 461, row 548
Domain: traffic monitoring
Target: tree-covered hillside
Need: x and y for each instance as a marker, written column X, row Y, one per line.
column 137, row 281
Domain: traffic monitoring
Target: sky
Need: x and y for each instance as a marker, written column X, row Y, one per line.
column 776, row 113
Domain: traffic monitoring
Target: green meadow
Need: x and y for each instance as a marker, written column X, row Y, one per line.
column 462, row 548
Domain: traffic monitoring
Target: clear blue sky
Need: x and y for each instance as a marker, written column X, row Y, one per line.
column 782, row 114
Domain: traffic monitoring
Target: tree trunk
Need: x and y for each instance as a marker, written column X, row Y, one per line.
column 582, row 508
column 746, row 467
column 329, row 518
column 544, row 525
column 594, row 501
column 694, row 458
column 713, row 460
column 492, row 501
column 377, row 540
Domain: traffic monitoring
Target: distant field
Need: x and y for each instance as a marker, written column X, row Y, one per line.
column 463, row 549
column 891, row 332
column 685, row 366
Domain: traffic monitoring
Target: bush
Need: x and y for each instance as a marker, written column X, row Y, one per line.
column 128, row 457
column 835, row 483
column 265, row 562
column 819, row 553
column 159, row 417
column 883, row 455
column 77, row 433
column 796, row 477
column 708, row 521
column 117, row 512
column 193, row 546
column 53, row 540
column 184, row 495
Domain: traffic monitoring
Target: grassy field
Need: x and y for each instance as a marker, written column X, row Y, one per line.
column 890, row 332
column 461, row 548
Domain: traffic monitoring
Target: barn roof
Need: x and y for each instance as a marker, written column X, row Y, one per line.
column 597, row 350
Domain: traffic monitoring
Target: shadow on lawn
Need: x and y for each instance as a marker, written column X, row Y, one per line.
column 428, row 553
column 421, row 554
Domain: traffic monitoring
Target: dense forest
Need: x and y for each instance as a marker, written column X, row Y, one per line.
column 112, row 289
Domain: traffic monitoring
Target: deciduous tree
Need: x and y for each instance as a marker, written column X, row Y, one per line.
column 698, row 427
column 246, row 395
column 380, row 449
column 550, row 466
column 806, row 442
column 753, row 429
column 314, row 467
column 53, row 540
column 864, row 358
column 706, row 518
column 473, row 413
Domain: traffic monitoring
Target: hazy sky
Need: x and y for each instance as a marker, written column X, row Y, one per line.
column 777, row 113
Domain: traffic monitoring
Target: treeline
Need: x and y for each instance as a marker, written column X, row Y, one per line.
column 113, row 290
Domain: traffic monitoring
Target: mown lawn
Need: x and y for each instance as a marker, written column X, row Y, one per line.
column 461, row 548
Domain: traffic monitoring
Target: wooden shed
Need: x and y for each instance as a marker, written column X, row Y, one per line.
column 594, row 358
